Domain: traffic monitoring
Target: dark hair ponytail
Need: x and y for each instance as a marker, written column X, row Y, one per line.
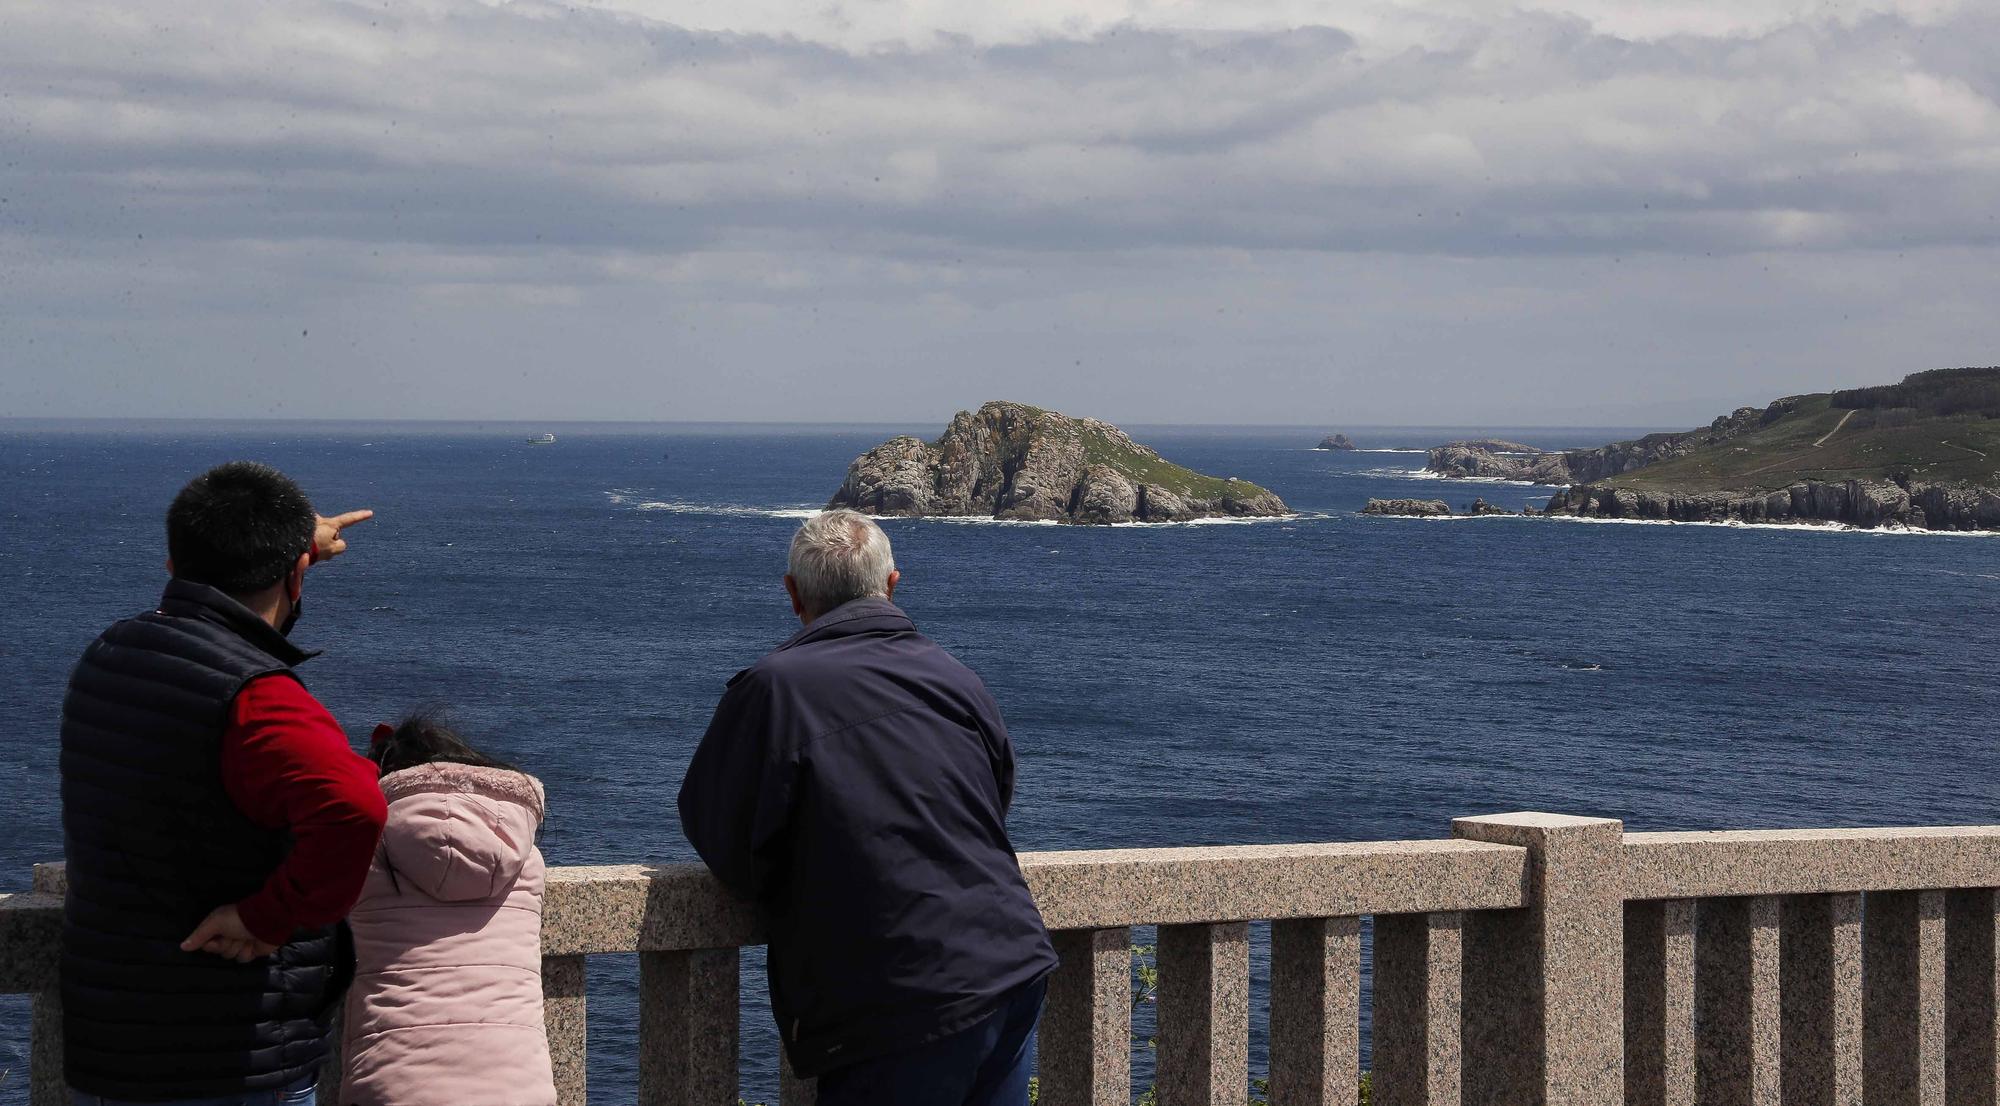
column 424, row 737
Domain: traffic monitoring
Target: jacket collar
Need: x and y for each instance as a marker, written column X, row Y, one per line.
column 859, row 616
column 187, row 599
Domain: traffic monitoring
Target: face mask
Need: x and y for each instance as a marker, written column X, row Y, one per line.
column 292, row 619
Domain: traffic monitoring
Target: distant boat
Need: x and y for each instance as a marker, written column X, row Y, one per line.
column 546, row 439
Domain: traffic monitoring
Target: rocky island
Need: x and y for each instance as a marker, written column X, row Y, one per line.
column 1924, row 454
column 1013, row 461
column 1337, row 441
column 1429, row 508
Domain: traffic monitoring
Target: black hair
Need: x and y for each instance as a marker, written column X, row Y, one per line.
column 239, row 528
column 424, row 737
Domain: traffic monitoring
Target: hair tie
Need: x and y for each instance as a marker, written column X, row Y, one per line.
column 383, row 732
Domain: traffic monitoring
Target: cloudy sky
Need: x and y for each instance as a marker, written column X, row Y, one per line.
column 1553, row 212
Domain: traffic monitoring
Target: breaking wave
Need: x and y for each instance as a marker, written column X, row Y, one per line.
column 632, row 501
column 724, row 510
column 1791, row 527
column 1426, row 474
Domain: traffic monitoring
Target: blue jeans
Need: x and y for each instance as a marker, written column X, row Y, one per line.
column 299, row 1094
column 986, row 1065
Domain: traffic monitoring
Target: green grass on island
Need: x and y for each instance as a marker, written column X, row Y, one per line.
column 1140, row 468
column 1936, row 427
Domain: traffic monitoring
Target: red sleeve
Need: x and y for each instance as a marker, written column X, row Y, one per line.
column 287, row 765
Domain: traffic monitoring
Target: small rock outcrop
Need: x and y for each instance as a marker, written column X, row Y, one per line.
column 1013, row 461
column 1411, row 508
column 1336, row 441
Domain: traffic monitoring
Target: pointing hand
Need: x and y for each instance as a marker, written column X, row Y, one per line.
column 327, row 541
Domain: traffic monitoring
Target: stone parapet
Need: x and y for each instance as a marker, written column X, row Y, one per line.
column 1532, row 959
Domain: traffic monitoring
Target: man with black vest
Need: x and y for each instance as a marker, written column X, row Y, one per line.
column 216, row 823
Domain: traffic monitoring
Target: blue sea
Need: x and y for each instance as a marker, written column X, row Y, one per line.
column 1323, row 678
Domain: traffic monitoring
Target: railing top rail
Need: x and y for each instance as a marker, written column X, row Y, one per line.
column 1693, row 865
column 680, row 906
column 668, row 907
column 1088, row 890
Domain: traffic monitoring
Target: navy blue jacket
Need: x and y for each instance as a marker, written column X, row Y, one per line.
column 855, row 784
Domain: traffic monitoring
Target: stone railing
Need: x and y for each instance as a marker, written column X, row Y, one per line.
column 1533, row 958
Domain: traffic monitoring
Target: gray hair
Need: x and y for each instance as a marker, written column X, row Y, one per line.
column 838, row 557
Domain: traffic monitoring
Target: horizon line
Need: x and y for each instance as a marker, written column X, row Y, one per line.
column 465, row 421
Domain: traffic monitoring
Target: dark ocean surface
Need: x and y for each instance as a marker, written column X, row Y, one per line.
column 1330, row 677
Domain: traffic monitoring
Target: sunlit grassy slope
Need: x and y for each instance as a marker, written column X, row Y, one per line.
column 1812, row 443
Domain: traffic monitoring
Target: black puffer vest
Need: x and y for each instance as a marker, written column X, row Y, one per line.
column 153, row 844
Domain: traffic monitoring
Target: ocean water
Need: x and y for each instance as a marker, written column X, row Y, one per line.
column 1329, row 677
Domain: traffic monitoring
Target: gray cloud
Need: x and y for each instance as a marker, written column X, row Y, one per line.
column 195, row 174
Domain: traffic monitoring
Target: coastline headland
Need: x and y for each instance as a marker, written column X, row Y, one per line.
column 1922, row 454
column 1012, row 461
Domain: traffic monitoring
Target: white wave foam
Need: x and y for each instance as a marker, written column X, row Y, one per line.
column 1792, row 527
column 730, row 510
column 984, row 520
column 1426, row 474
column 725, row 510
column 1795, row 527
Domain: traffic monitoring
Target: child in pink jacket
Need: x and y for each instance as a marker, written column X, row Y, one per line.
column 446, row 1005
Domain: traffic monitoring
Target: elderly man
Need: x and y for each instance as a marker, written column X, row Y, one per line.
column 855, row 784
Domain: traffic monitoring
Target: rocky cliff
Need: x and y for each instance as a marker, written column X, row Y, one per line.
column 1013, row 461
column 1923, row 453
column 1863, row 503
column 1488, row 460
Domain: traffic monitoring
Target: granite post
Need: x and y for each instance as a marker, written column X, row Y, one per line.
column 1820, row 965
column 1315, row 1011
column 1417, row 985
column 1659, row 1003
column 688, row 1014
column 1972, row 978
column 1085, row 1044
column 563, row 1018
column 1204, row 1004
column 1737, row 1019
column 1542, row 1023
column 1903, row 941
column 46, row 1085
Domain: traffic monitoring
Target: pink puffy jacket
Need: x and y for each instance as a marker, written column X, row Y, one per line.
column 447, row 998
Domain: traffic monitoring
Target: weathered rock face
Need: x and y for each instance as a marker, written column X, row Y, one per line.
column 1863, row 503
column 1336, row 441
column 1467, row 460
column 1413, row 508
column 1012, row 461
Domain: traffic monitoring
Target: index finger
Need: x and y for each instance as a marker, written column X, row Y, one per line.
column 342, row 522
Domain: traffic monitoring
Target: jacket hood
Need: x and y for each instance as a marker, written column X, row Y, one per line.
column 459, row 832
